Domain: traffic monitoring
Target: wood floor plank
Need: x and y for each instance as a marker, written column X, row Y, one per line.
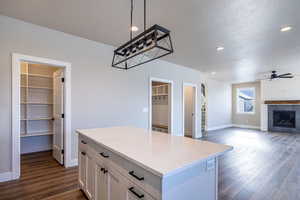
column 42, row 177
column 262, row 165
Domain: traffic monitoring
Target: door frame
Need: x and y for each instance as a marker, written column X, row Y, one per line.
column 16, row 139
column 171, row 110
column 184, row 84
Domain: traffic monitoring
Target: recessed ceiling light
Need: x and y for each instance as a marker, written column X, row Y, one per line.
column 286, row 28
column 220, row 48
column 134, row 28
column 213, row 73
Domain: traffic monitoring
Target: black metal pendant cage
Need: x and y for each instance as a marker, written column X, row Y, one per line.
column 152, row 44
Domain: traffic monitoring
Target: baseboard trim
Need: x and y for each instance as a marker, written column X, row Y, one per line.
column 6, row 176
column 219, row 127
column 245, row 126
column 188, row 133
column 73, row 163
column 38, row 149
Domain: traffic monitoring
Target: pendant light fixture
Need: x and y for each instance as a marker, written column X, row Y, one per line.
column 155, row 42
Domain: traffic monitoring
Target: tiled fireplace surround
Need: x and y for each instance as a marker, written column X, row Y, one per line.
column 287, row 113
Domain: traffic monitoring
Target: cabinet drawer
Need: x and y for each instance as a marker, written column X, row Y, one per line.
column 137, row 175
column 83, row 143
column 134, row 192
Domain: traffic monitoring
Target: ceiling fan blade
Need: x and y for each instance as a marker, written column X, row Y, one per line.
column 287, row 74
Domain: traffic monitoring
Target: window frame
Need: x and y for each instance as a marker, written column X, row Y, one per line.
column 237, row 100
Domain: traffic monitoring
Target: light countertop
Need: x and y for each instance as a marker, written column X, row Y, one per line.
column 160, row 153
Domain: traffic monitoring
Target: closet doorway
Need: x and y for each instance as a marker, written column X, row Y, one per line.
column 161, row 101
column 41, row 106
column 204, row 110
column 189, row 122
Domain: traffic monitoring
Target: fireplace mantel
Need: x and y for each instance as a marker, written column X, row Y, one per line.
column 283, row 102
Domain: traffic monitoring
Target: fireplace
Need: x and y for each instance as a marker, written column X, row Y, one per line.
column 284, row 118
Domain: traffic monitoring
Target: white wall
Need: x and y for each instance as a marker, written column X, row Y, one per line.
column 218, row 105
column 188, row 109
column 278, row 89
column 36, row 144
column 101, row 96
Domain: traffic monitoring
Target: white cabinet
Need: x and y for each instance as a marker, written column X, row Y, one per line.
column 116, row 187
column 90, row 176
column 101, row 183
column 109, row 184
column 127, row 165
column 112, row 185
column 100, row 180
column 106, row 175
column 82, row 169
column 87, row 173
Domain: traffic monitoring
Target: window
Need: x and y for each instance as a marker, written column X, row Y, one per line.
column 246, row 100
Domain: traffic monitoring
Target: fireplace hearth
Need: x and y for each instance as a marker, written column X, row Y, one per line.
column 284, row 118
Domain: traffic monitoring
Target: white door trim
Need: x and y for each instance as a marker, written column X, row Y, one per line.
column 195, row 108
column 16, row 63
column 151, row 79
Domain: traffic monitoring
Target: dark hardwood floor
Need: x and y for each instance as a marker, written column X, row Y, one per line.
column 42, row 177
column 262, row 166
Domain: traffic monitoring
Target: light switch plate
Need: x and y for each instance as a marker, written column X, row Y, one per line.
column 145, row 110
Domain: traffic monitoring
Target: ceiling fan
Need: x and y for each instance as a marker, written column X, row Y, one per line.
column 274, row 75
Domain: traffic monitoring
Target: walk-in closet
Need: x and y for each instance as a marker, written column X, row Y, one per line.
column 160, row 106
column 42, row 100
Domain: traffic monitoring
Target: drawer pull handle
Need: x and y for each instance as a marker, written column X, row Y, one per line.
column 103, row 155
column 83, row 153
column 83, row 142
column 135, row 193
column 135, row 176
column 103, row 170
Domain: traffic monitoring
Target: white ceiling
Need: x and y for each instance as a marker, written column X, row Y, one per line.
column 248, row 29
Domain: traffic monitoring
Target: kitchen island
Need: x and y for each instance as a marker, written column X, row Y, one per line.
column 126, row 163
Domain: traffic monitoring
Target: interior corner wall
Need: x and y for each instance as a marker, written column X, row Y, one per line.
column 246, row 120
column 102, row 96
column 218, row 104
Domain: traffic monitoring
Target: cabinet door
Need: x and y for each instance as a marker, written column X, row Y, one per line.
column 82, row 169
column 90, row 176
column 116, row 186
column 101, row 183
column 58, row 110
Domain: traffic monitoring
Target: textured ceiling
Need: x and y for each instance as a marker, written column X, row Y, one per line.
column 248, row 29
